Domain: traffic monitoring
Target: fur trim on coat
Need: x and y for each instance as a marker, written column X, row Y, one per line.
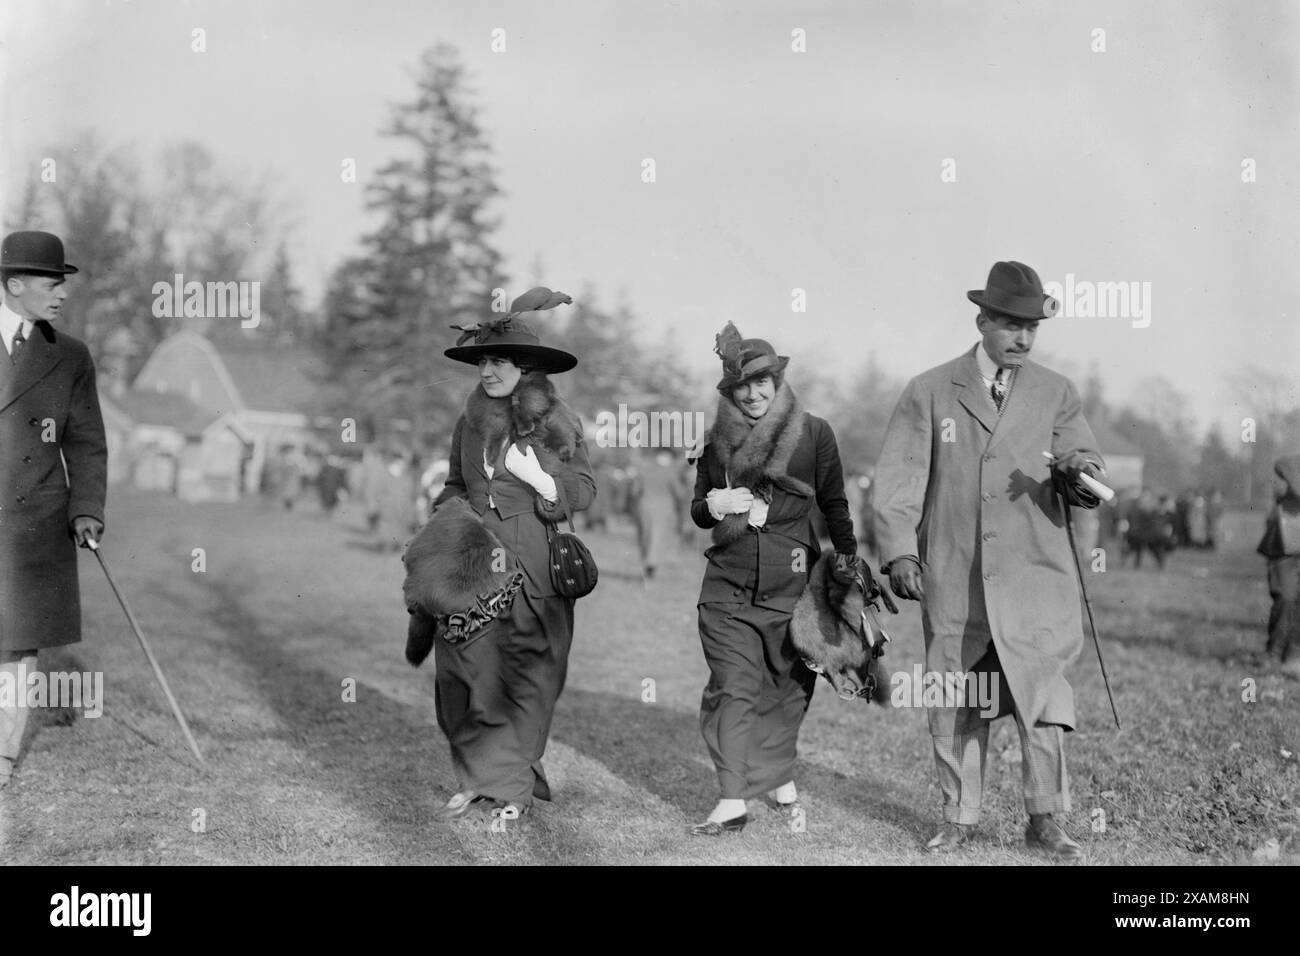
column 755, row 455
column 533, row 414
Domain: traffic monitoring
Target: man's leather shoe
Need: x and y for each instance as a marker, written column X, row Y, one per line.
column 1044, row 833
column 950, row 837
column 460, row 804
column 713, row 828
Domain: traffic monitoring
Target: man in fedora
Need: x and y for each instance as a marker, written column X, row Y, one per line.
column 53, row 464
column 970, row 523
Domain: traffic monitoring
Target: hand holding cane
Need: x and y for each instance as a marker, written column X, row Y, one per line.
column 89, row 542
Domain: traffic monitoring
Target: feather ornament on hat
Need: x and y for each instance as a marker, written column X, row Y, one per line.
column 538, row 299
column 727, row 345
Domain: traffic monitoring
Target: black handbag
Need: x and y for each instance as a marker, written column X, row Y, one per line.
column 573, row 569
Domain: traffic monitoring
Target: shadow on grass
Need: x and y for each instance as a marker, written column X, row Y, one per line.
column 659, row 750
column 380, row 755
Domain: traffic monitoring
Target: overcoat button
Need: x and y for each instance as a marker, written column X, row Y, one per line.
column 33, row 421
column 20, row 499
column 987, row 496
column 27, row 459
column 990, row 535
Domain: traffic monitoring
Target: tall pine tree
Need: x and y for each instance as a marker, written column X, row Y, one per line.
column 428, row 265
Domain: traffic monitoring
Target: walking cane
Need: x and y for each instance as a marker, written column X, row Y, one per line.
column 1105, row 493
column 93, row 545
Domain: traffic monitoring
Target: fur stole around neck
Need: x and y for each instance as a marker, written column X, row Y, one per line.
column 533, row 414
column 755, row 454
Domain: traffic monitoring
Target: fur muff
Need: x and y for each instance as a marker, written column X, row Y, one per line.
column 448, row 564
column 534, row 414
column 826, row 631
column 755, row 455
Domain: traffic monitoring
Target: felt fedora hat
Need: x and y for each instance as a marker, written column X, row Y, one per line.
column 744, row 360
column 512, row 337
column 34, row 252
column 1014, row 289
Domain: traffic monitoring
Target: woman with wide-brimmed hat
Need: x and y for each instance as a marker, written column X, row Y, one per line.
column 516, row 450
column 765, row 463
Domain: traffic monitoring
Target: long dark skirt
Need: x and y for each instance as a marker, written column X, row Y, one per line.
column 496, row 695
column 756, row 698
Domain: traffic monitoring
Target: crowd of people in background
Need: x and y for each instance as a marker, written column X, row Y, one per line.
column 392, row 486
column 1159, row 523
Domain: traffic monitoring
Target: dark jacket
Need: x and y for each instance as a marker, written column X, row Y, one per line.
column 49, row 414
column 769, row 566
column 524, row 514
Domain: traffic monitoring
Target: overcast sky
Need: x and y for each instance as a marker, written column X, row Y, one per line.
column 776, row 170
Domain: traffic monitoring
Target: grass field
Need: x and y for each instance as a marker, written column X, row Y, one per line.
column 259, row 645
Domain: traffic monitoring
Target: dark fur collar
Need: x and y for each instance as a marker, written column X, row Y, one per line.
column 533, row 414
column 755, row 455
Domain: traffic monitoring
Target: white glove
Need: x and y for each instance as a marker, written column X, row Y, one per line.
column 729, row 501
column 528, row 469
column 758, row 513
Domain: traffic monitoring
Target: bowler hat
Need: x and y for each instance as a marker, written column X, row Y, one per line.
column 34, row 252
column 1014, row 289
column 510, row 337
column 744, row 360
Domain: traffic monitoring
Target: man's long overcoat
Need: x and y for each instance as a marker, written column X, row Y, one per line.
column 49, row 414
column 969, row 493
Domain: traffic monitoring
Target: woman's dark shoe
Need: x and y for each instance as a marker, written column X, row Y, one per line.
column 712, row 828
column 460, row 804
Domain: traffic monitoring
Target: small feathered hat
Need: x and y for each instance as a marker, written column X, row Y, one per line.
column 745, row 359
column 511, row 337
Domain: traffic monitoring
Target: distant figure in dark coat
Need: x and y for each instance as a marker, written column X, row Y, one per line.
column 654, row 510
column 1151, row 528
column 1281, row 545
column 49, row 422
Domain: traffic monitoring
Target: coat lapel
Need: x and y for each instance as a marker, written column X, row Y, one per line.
column 966, row 376
column 39, row 357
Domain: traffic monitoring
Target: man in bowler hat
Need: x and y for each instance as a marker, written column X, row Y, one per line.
column 968, row 517
column 53, row 466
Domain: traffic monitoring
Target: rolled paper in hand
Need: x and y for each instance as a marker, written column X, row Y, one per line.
column 1089, row 482
column 1096, row 487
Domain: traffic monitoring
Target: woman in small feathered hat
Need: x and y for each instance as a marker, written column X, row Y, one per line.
column 516, row 449
column 765, row 463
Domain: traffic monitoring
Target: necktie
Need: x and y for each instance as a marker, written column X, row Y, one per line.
column 999, row 389
column 18, row 344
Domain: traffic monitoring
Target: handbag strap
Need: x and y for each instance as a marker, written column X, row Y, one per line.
column 564, row 504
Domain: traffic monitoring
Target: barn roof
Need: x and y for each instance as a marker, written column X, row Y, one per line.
column 165, row 409
column 272, row 378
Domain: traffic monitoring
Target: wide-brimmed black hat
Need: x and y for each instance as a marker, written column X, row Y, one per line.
column 34, row 252
column 511, row 337
column 744, row 360
column 1014, row 289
